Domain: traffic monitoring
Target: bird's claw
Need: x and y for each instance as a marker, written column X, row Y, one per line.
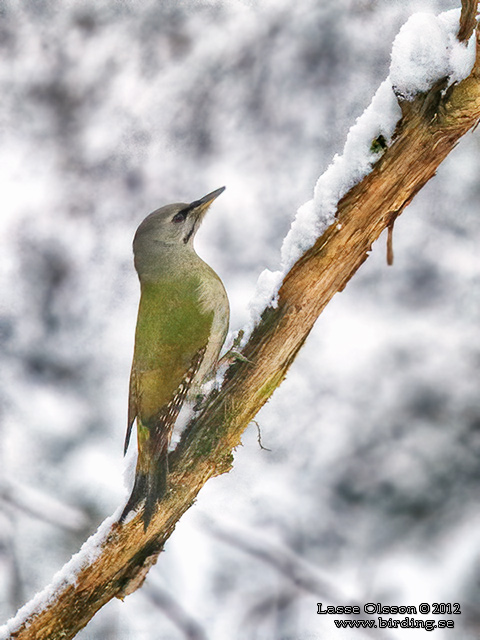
column 233, row 356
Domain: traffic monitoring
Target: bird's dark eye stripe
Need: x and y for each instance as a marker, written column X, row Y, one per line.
column 180, row 216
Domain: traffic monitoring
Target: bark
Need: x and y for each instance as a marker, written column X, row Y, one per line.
column 468, row 19
column 430, row 128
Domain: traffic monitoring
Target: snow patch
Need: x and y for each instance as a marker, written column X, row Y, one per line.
column 427, row 50
column 266, row 292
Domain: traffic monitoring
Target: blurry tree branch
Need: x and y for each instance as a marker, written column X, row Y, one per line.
column 190, row 628
column 9, row 562
column 430, row 128
column 285, row 561
column 302, row 576
column 39, row 505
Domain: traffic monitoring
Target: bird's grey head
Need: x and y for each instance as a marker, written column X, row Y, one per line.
column 174, row 224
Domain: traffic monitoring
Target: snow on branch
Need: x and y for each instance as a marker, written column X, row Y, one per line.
column 425, row 50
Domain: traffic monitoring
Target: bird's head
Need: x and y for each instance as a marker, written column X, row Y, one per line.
column 174, row 224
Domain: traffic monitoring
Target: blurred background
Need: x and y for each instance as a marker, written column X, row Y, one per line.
column 368, row 491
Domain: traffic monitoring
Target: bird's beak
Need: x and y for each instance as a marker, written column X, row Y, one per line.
column 199, row 207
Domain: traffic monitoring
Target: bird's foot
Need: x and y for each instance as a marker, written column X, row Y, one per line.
column 232, row 356
column 198, row 403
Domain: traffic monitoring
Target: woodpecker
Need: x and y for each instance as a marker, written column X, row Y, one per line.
column 182, row 324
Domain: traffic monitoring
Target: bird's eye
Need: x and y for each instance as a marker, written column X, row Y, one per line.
column 179, row 217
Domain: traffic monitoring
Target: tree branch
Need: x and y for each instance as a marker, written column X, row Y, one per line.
column 468, row 19
column 115, row 562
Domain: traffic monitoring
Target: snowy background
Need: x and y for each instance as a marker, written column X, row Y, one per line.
column 370, row 488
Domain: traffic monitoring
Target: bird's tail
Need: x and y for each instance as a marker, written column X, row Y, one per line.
column 150, row 486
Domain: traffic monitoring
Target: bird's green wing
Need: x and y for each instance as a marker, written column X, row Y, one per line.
column 172, row 334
